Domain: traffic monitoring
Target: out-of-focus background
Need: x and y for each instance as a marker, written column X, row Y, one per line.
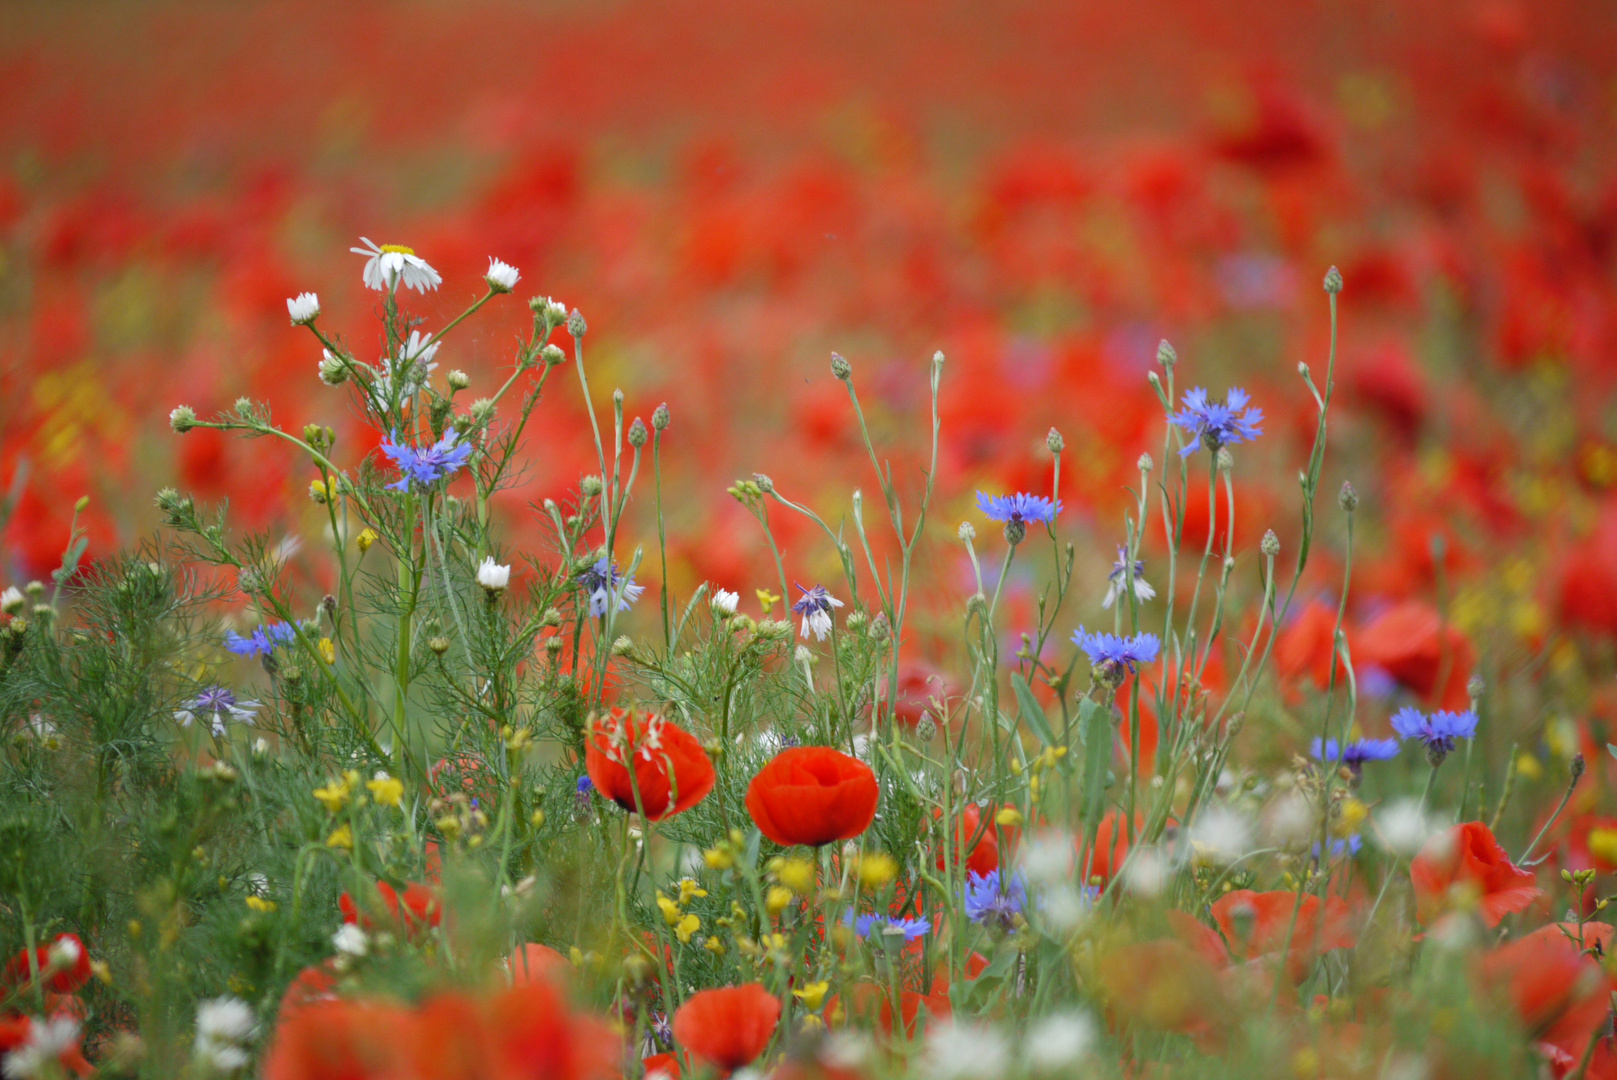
column 730, row 190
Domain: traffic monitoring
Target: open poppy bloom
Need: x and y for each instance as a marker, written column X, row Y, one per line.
column 728, row 1027
column 1469, row 857
column 64, row 963
column 1111, row 847
column 1411, row 642
column 60, row 1033
column 340, row 1040
column 415, row 911
column 1257, row 924
column 534, row 961
column 672, row 773
column 812, row 795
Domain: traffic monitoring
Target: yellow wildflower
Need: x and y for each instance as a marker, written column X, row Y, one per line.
column 1009, row 817
column 714, row 946
column 342, row 838
column 670, row 910
column 688, row 888
column 767, row 600
column 258, row 903
column 876, row 870
column 328, row 650
column 719, row 858
column 777, row 898
column 813, row 995
column 385, row 789
column 365, row 539
column 334, row 795
column 687, row 926
column 797, row 875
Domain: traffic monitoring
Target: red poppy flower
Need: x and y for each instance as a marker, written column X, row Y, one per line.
column 534, row 961
column 65, row 979
column 984, row 854
column 532, row 1035
column 666, row 1064
column 671, row 770
column 1468, row 856
column 728, row 1027
column 417, row 910
column 340, row 1040
column 1111, row 847
column 1257, row 924
column 1411, row 642
column 812, row 795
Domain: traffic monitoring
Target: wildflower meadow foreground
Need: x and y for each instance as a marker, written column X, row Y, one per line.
column 447, row 808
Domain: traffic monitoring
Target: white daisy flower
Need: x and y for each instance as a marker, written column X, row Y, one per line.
column 47, row 1041
column 304, row 308
column 389, row 264
column 725, row 601
column 223, row 1024
column 1056, row 1043
column 965, row 1051
column 333, row 371
column 350, row 940
column 502, row 277
column 414, row 365
column 12, row 600
column 493, row 577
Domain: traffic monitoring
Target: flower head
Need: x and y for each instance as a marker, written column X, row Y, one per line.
column 49, row 1042
column 412, row 366
column 671, row 771
column 493, row 577
column 994, row 901
column 427, row 465
column 386, row 265
column 1355, row 753
column 603, row 581
column 815, row 607
column 304, row 308
column 1117, row 580
column 812, row 795
column 910, row 929
column 1020, row 507
column 1437, row 732
column 1119, row 652
column 223, row 1025
column 725, row 601
column 262, row 641
column 1215, row 425
column 219, row 704
column 502, row 277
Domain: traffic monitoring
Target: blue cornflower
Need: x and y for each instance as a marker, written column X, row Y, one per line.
column 426, row 466
column 1355, row 753
column 1437, row 732
column 1020, row 507
column 815, row 607
column 865, row 925
column 585, row 785
column 603, row 580
column 1215, row 425
column 262, row 641
column 1117, row 579
column 1350, row 846
column 1119, row 652
column 989, row 901
column 220, row 704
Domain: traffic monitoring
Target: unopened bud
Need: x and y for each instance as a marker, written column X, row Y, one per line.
column 925, row 728
column 1302, row 369
column 840, row 366
column 1015, row 531
column 968, row 531
column 182, row 419
column 1054, row 442
column 483, row 410
column 1348, row 498
column 638, row 433
column 660, row 417
column 1165, row 354
column 576, row 325
column 1578, row 766
column 1145, row 464
column 1226, row 460
column 590, row 486
column 244, row 408
column 765, row 484
column 458, row 380
column 439, row 645
column 1474, row 688
column 1333, row 281
column 552, row 355
column 1270, row 544
column 333, row 372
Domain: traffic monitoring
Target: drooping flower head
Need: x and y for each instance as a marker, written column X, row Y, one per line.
column 815, row 607
column 812, row 795
column 412, row 367
column 262, row 641
column 994, row 901
column 425, row 466
column 219, row 705
column 672, row 773
column 1020, row 507
column 386, row 265
column 603, row 581
column 1112, row 655
column 1469, row 856
column 1215, row 426
column 1437, row 732
column 1117, row 580
column 1355, row 753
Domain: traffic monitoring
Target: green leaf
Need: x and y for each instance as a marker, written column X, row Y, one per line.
column 1096, row 725
column 1032, row 715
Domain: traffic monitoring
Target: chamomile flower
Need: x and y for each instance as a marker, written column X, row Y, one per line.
column 303, row 308
column 493, row 577
column 502, row 277
column 724, row 602
column 387, row 265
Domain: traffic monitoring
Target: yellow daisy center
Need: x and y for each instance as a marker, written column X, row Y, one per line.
column 397, row 249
